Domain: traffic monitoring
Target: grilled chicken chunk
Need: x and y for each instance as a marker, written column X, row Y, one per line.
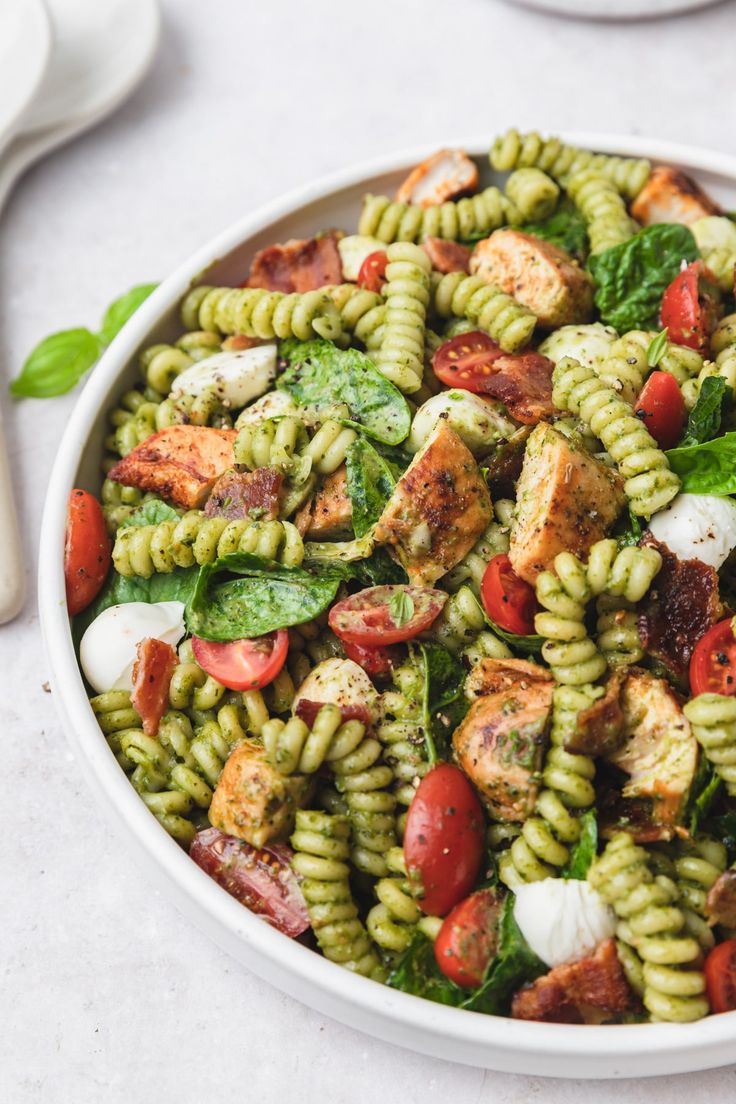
column 253, row 801
column 328, row 515
column 180, row 463
column 671, row 196
column 447, row 174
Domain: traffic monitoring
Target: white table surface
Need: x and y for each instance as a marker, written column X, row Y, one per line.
column 106, row 992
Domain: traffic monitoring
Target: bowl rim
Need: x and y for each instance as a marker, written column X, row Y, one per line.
column 489, row 1041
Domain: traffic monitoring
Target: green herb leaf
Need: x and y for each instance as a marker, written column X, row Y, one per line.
column 632, row 534
column 417, row 973
column 57, row 364
column 375, row 570
column 443, row 702
column 327, row 379
column 656, row 348
column 370, row 484
column 707, row 468
column 631, row 278
column 118, row 313
column 401, row 608
column 705, row 417
column 174, row 586
column 152, row 512
column 585, row 850
column 565, row 228
column 724, row 829
column 704, row 790
column 514, row 965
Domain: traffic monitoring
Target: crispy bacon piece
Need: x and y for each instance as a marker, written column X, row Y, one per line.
column 179, row 463
column 599, row 728
column 298, row 265
column 720, row 906
column 307, row 711
column 328, row 515
column 252, row 495
column 523, row 382
column 447, row 256
column 681, row 606
column 577, row 992
column 447, row 174
column 152, row 671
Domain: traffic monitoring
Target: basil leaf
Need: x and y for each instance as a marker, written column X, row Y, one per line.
column 704, row 790
column 326, row 378
column 57, row 364
column 152, row 512
column 401, row 608
column 631, row 278
column 565, row 228
column 444, row 703
column 417, row 973
column 705, row 417
column 514, row 965
column 370, row 484
column 656, row 348
column 264, row 596
column 118, row 313
column 707, row 468
column 585, row 850
column 174, row 586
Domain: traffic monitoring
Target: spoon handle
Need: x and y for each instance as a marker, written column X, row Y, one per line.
column 12, row 567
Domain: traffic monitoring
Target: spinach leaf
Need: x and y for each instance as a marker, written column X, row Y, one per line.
column 152, row 512
column 176, row 586
column 585, row 849
column 263, row 597
column 527, row 644
column 444, row 704
column 375, row 570
column 515, row 963
column 326, row 378
column 370, row 483
column 708, row 468
column 631, row 278
column 724, row 828
column 565, row 228
column 704, row 791
column 632, row 534
column 417, row 973
column 705, row 417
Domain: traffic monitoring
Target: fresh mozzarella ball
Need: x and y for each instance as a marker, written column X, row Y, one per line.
column 108, row 649
column 716, row 238
column 236, row 376
column 480, row 423
column 273, row 405
column 697, row 527
column 353, row 251
column 562, row 920
column 591, row 345
column 342, row 683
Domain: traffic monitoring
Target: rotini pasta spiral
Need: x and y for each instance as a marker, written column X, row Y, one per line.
column 393, row 920
column 255, row 312
column 362, row 313
column 198, row 539
column 321, row 847
column 698, row 864
column 115, row 715
column 461, row 628
column 401, row 733
column 138, row 416
column 119, row 502
column 473, row 217
column 618, row 637
column 161, row 364
column 649, row 482
column 494, row 541
column 285, row 443
column 486, row 306
column 713, row 720
column 533, row 193
column 626, row 367
column 652, row 925
column 603, row 209
column 513, row 150
column 401, row 354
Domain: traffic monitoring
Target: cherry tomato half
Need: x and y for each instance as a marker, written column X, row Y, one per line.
column 720, row 977
column 466, row 360
column 368, row 617
column 690, row 307
column 372, row 273
column 468, row 938
column 713, row 662
column 243, row 664
column 86, row 552
column 376, row 662
column 507, row 599
column 443, row 839
column 661, row 408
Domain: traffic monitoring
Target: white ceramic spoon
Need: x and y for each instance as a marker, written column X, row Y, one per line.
column 25, row 49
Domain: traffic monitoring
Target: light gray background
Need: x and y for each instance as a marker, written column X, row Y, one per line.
column 106, row 992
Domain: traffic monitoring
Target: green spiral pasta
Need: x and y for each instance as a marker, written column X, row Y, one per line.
column 256, row 312
column 649, row 482
column 285, row 443
column 618, row 637
column 723, row 346
column 724, row 335
column 138, row 416
column 115, row 715
column 653, row 926
column 486, row 306
column 493, row 542
column 321, row 847
column 161, row 364
column 600, row 203
column 401, row 732
column 119, row 502
column 392, row 922
column 400, row 357
column 533, row 194
column 698, row 865
column 713, row 720
column 362, row 312
column 197, row 539
column 513, row 150
column 626, row 367
column 469, row 218
column 461, row 628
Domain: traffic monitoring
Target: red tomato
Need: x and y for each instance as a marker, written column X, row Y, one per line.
column 262, row 880
column 720, row 977
column 86, row 552
column 508, row 600
column 713, row 662
column 690, row 307
column 443, row 839
column 154, row 665
column 243, row 664
column 376, row 662
column 466, row 360
column 467, row 940
column 661, row 407
column 366, row 618
column 372, row 274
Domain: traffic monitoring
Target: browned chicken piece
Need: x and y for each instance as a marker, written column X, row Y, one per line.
column 297, row 265
column 255, row 802
column 252, row 495
column 180, row 463
column 671, row 196
column 438, row 509
column 659, row 752
column 500, row 743
column 720, row 906
column 447, row 256
column 539, row 274
column 566, row 500
column 447, row 174
column 328, row 515
column 599, row 729
column 577, row 992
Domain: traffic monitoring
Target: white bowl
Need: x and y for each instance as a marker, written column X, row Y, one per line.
column 492, row 1042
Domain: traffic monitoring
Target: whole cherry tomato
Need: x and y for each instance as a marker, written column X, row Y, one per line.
column 713, row 662
column 661, row 408
column 720, row 977
column 87, row 550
